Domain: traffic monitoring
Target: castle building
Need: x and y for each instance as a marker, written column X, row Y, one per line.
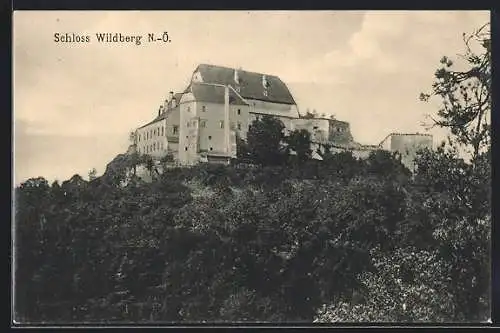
column 407, row 145
column 161, row 135
column 201, row 123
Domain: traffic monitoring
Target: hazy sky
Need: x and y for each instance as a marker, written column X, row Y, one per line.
column 75, row 103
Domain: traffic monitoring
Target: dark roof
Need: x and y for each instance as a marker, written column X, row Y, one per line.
column 177, row 98
column 212, row 93
column 162, row 116
column 250, row 83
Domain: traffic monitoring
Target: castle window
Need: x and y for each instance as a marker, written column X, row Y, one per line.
column 239, row 125
column 203, row 108
column 185, row 148
column 209, row 137
column 162, row 131
column 221, row 124
column 203, row 123
column 189, row 109
column 265, row 92
column 187, row 124
column 211, row 148
column 175, row 129
column 239, row 112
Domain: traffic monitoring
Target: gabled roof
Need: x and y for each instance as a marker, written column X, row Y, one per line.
column 214, row 93
column 177, row 98
column 169, row 110
column 162, row 116
column 250, row 83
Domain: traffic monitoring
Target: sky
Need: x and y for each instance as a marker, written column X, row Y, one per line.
column 75, row 103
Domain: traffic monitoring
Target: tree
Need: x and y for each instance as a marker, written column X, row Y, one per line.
column 264, row 138
column 466, row 95
column 242, row 150
column 92, row 174
column 310, row 115
column 455, row 200
column 406, row 286
column 300, row 142
column 150, row 165
column 452, row 211
column 135, row 160
column 385, row 164
column 132, row 137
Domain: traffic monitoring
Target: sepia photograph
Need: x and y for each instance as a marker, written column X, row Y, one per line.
column 282, row 167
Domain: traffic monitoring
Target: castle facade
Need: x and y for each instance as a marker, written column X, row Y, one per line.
column 201, row 123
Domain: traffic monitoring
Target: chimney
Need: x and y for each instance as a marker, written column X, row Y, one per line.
column 236, row 76
column 171, row 95
column 264, row 81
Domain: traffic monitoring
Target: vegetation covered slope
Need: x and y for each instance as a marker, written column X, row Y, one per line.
column 262, row 244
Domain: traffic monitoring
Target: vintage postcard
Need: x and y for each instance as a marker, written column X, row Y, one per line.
column 214, row 167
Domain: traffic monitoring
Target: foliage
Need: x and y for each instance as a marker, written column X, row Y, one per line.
column 265, row 141
column 408, row 286
column 466, row 95
column 299, row 141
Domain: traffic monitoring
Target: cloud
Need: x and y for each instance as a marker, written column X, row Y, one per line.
column 375, row 79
